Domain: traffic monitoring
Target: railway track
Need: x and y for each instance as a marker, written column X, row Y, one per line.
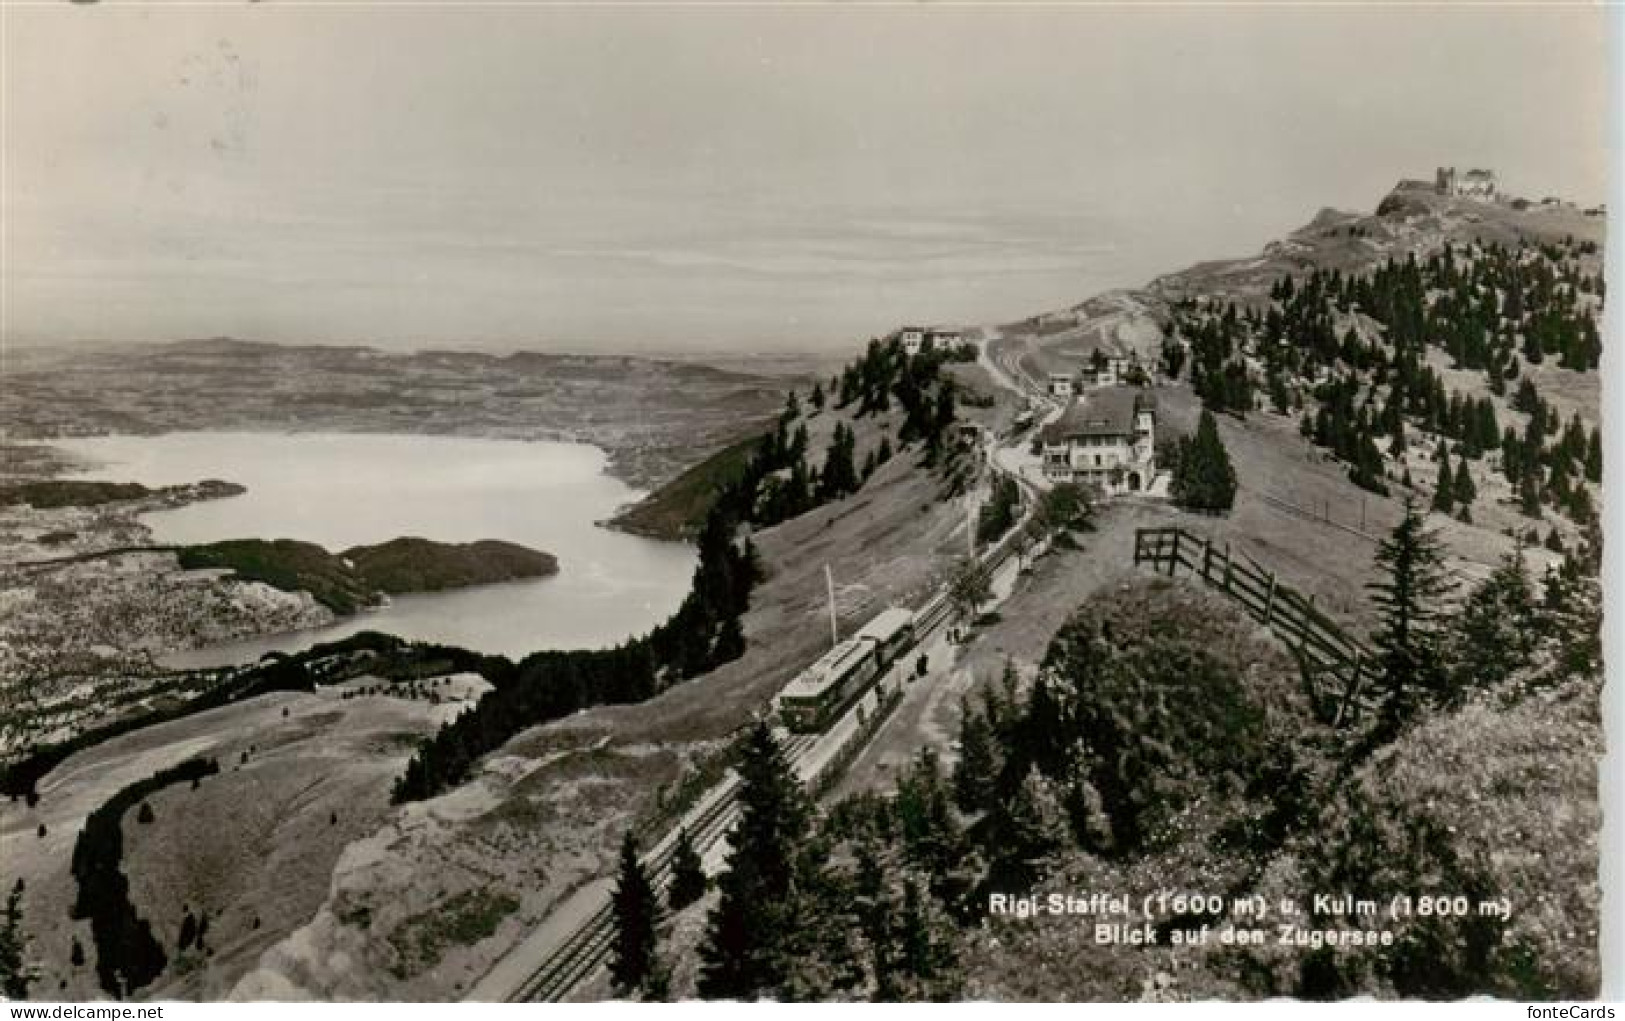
column 587, row 948
column 589, row 945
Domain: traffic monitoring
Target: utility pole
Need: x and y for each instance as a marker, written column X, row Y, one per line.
column 834, row 627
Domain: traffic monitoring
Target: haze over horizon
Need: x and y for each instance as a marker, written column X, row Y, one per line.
column 721, row 178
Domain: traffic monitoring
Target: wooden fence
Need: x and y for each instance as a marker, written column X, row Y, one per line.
column 1338, row 670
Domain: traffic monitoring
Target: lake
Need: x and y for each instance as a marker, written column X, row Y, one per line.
column 342, row 490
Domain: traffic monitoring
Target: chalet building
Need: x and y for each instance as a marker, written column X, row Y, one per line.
column 1061, row 384
column 912, row 338
column 1107, row 439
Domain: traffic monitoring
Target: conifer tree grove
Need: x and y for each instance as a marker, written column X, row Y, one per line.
column 1204, row 479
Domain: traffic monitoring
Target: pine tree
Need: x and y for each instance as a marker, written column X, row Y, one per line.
column 1407, row 598
column 1444, row 490
column 922, row 961
column 1204, row 479
column 752, row 933
column 730, row 644
column 976, row 773
column 1527, row 399
column 839, row 476
column 188, row 932
column 1465, row 491
column 1529, row 493
column 1496, row 634
column 16, row 974
column 637, row 922
column 688, row 882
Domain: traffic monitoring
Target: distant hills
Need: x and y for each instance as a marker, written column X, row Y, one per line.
column 653, row 417
column 1413, row 218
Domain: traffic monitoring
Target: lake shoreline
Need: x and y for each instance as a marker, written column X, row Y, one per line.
column 110, row 605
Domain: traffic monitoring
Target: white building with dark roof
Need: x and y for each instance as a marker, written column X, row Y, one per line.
column 915, row 338
column 1106, row 439
column 1474, row 184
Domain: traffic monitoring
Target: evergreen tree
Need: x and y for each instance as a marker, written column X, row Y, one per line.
column 976, row 773
column 1407, row 597
column 1496, row 634
column 1444, row 491
column 1465, row 491
column 16, row 974
column 840, row 475
column 816, row 398
column 1032, row 827
column 921, row 964
column 1529, row 493
column 752, row 933
column 637, row 923
column 188, row 932
column 1204, row 479
column 688, row 880
column 76, row 956
column 730, row 643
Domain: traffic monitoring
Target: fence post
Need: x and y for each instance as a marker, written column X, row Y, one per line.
column 1227, row 567
column 1269, row 602
column 1350, row 693
column 1173, row 561
column 1207, row 557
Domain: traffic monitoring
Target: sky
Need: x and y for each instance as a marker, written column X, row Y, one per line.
column 663, row 178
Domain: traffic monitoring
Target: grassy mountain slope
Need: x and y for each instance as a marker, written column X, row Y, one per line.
column 677, row 509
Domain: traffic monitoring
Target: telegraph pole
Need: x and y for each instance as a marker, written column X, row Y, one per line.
column 834, row 628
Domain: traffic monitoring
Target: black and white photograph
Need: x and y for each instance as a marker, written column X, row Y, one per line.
column 511, row 502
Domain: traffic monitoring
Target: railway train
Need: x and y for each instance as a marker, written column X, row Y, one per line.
column 819, row 694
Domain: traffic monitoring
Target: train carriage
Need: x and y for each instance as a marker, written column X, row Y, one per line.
column 819, row 694
column 891, row 632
